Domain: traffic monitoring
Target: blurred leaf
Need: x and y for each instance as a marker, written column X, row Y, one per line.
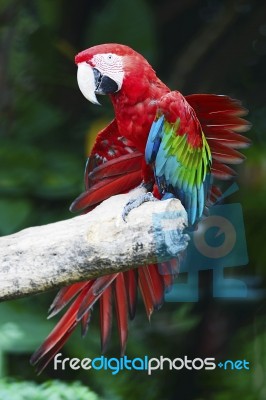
column 36, row 117
column 20, row 330
column 184, row 318
column 49, row 12
column 13, row 214
column 52, row 390
column 125, row 22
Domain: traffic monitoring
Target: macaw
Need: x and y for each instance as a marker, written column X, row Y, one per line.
column 172, row 144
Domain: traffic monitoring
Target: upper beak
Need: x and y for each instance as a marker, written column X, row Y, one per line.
column 91, row 82
column 86, row 82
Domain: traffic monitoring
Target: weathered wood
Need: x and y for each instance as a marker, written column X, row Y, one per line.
column 100, row 242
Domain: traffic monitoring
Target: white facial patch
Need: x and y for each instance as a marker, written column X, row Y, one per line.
column 86, row 82
column 111, row 65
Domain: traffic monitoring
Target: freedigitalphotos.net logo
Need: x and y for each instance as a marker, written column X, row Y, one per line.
column 218, row 243
column 147, row 364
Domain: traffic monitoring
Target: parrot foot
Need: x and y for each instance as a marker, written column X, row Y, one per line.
column 135, row 203
column 147, row 185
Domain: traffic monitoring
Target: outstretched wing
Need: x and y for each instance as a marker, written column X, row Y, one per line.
column 221, row 118
column 180, row 154
column 113, row 167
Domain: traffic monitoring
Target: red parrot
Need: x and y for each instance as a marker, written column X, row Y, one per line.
column 171, row 144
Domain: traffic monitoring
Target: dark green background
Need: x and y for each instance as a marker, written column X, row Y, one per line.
column 195, row 46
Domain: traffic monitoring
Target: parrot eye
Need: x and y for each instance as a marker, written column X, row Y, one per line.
column 109, row 58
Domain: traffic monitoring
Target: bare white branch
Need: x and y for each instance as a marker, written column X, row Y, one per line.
column 98, row 243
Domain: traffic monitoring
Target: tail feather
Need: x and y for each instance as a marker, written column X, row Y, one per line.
column 145, row 290
column 168, row 271
column 46, row 357
column 106, row 317
column 151, row 284
column 121, row 310
column 156, row 285
column 65, row 325
column 64, row 296
column 85, row 323
column 131, row 283
column 215, row 194
column 93, row 294
column 167, row 276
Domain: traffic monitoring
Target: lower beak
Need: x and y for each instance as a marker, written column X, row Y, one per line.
column 104, row 84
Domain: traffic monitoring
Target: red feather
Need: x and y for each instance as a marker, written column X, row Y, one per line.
column 106, row 317
column 204, row 104
column 85, row 323
column 46, row 357
column 157, row 285
column 220, row 120
column 105, row 189
column 131, row 283
column 93, row 294
column 225, row 154
column 227, row 137
column 121, row 310
column 222, row 171
column 116, row 167
column 64, row 296
column 66, row 324
column 145, row 290
column 214, row 195
column 168, row 278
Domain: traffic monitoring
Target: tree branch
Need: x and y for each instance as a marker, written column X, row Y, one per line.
column 98, row 243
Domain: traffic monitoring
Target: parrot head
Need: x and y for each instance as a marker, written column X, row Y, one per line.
column 104, row 69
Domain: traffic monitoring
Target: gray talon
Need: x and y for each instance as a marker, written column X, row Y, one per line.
column 135, row 203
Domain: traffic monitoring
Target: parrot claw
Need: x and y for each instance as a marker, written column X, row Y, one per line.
column 135, row 203
column 147, row 185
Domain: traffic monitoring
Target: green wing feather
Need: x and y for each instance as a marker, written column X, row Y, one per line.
column 180, row 167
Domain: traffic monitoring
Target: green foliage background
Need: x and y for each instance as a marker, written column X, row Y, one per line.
column 195, row 46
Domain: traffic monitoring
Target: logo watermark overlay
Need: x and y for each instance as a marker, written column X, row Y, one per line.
column 217, row 244
column 147, row 364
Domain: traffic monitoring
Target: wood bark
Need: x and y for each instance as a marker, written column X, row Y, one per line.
column 88, row 246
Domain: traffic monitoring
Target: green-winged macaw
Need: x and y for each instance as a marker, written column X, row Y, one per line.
column 169, row 142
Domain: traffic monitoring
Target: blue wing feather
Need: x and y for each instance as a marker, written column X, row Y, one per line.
column 179, row 168
column 154, row 140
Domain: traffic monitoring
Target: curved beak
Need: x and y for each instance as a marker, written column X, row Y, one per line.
column 86, row 82
column 91, row 82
